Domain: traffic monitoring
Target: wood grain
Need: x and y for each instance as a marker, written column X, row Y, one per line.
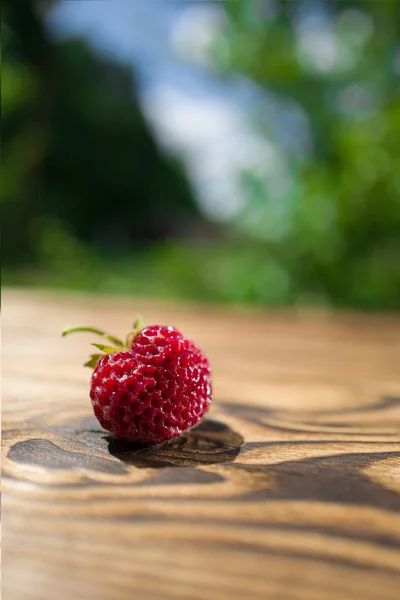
column 290, row 489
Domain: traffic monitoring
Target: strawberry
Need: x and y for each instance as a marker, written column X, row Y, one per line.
column 151, row 388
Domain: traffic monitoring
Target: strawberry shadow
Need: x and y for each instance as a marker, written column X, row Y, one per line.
column 211, row 442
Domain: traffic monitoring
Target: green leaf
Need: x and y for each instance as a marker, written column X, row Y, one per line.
column 138, row 324
column 94, row 359
column 115, row 340
column 136, row 329
column 107, row 349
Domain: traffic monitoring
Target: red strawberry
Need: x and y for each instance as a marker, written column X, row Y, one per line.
column 151, row 389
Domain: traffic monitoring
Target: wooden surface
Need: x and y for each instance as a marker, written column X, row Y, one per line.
column 290, row 489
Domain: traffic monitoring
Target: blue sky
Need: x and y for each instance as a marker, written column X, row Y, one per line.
column 196, row 114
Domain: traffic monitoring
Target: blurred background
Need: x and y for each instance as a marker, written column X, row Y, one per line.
column 239, row 152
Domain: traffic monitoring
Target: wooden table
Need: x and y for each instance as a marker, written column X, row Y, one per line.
column 289, row 490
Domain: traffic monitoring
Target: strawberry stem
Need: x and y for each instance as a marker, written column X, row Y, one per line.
column 89, row 329
column 118, row 344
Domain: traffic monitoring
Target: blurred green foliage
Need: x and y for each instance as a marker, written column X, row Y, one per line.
column 78, row 152
column 89, row 202
column 341, row 239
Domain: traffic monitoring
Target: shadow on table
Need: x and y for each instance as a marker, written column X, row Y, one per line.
column 211, row 442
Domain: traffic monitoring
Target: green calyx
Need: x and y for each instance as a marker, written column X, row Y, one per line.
column 118, row 345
